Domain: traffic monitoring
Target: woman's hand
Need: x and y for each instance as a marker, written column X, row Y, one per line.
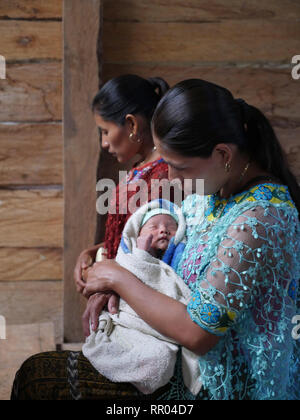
column 95, row 306
column 84, row 261
column 99, row 290
column 103, row 277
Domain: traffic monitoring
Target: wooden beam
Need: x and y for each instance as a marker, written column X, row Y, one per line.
column 31, row 154
column 31, row 218
column 32, row 92
column 25, row 40
column 218, row 42
column 30, row 264
column 271, row 89
column 81, row 147
column 198, row 10
column 31, row 9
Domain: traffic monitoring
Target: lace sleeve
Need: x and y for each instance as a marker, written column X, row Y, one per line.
column 248, row 264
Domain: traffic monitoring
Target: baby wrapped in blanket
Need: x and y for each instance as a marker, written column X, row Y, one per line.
column 125, row 348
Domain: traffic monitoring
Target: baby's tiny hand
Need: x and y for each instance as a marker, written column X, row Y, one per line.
column 144, row 242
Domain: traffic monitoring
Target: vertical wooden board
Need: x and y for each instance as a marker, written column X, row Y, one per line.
column 81, row 147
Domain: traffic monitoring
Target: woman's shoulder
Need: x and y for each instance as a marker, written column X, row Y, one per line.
column 157, row 169
column 266, row 209
column 262, row 196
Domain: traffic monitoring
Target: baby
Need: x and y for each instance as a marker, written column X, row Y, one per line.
column 125, row 348
column 157, row 229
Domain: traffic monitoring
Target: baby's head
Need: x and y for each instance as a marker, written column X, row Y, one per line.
column 162, row 225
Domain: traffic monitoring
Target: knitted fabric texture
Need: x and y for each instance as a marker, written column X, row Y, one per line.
column 125, row 348
column 243, row 269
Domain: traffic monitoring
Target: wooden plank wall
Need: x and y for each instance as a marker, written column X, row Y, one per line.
column 244, row 46
column 31, row 154
column 81, row 147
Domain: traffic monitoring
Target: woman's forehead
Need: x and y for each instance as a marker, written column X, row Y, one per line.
column 168, row 155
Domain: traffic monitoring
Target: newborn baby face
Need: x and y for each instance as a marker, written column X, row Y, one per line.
column 161, row 228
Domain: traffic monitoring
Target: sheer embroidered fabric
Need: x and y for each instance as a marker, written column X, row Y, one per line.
column 243, row 270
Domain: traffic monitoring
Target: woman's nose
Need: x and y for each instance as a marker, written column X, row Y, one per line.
column 105, row 144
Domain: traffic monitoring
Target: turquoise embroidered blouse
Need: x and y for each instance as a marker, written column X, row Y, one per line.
column 242, row 264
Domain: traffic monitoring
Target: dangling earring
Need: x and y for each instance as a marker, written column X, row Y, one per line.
column 131, row 138
column 227, row 167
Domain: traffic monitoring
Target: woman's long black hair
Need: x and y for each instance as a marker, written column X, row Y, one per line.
column 129, row 94
column 195, row 115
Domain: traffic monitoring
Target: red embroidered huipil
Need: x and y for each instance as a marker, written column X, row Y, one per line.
column 123, row 200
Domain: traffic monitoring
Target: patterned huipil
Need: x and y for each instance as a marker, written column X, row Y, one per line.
column 242, row 264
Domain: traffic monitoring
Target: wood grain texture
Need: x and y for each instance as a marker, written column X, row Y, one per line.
column 81, row 147
column 27, row 40
column 31, row 9
column 198, row 10
column 31, row 154
column 31, row 219
column 272, row 90
column 289, row 139
column 32, row 92
column 22, row 341
column 32, row 302
column 30, row 264
column 226, row 41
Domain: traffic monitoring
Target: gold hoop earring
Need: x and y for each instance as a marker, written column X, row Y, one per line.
column 227, row 167
column 131, row 138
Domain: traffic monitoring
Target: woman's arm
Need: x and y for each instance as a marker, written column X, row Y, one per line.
column 164, row 314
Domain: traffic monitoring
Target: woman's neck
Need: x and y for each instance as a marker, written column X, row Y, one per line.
column 241, row 177
column 148, row 154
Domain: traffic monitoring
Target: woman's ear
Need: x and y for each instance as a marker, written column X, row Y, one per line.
column 223, row 153
column 132, row 122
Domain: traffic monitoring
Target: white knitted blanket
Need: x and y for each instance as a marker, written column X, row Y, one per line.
column 125, row 348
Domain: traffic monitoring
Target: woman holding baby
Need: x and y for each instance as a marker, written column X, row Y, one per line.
column 241, row 260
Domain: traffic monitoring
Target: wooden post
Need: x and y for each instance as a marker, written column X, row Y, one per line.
column 82, row 47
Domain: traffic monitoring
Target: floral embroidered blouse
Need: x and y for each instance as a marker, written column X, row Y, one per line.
column 242, row 264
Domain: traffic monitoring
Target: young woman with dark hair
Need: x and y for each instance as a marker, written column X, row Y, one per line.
column 241, row 261
column 123, row 109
